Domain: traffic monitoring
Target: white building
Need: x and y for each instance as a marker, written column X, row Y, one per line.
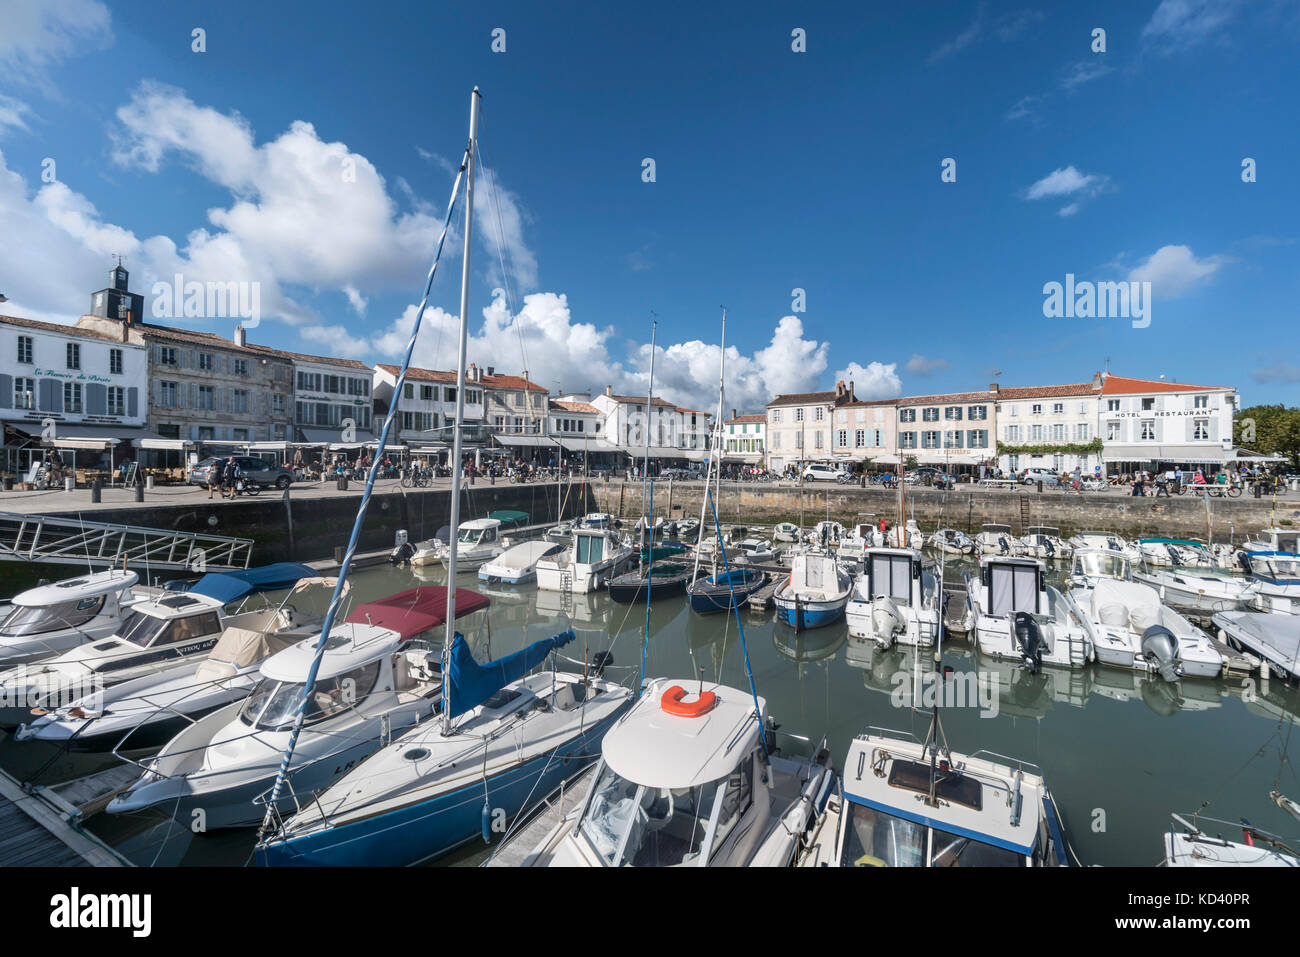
column 1154, row 424
column 1052, row 427
column 675, row 433
column 745, row 438
column 798, row 426
column 332, row 399
column 427, row 406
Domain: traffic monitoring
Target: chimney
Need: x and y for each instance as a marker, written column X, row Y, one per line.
column 609, row 390
column 993, row 387
column 1097, row 382
column 839, row 388
column 492, row 370
column 852, row 397
column 733, row 414
column 473, row 372
column 241, row 336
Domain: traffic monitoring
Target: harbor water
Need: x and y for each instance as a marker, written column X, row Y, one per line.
column 1119, row 750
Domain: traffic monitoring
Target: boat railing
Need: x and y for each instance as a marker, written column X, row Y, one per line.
column 1026, row 766
column 1193, row 827
column 801, row 746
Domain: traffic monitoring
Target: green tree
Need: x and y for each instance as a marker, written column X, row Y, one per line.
column 1269, row 429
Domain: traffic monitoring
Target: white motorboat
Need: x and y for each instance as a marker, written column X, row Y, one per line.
column 814, row 594
column 786, row 532
column 827, row 534
column 854, row 545
column 379, row 675
column 597, row 520
column 518, row 564
column 50, row 619
column 952, row 541
column 1044, row 541
column 158, row 633
column 753, row 551
column 1110, row 540
column 1175, row 552
column 998, row 540
column 1275, row 538
column 1132, row 628
column 1276, row 577
column 1196, row 584
column 1267, row 636
column 1016, row 615
column 477, row 542
column 594, row 556
column 896, row 599
column 145, row 713
column 907, row 803
column 691, row 779
column 1186, row 845
column 1090, row 565
column 914, row 537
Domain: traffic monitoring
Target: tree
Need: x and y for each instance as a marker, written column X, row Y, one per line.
column 1269, row 429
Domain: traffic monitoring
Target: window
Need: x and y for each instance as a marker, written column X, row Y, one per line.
column 929, row 440
column 1058, row 433
column 1058, row 408
column 818, row 414
column 842, row 438
column 977, row 413
column 240, row 403
column 278, row 433
column 206, row 397
column 206, row 434
column 24, row 393
column 776, row 415
column 310, row 382
column 239, row 367
column 167, row 394
column 860, row 438
column 798, row 440
column 74, row 355
column 952, row 439
column 408, row 391
column 1112, row 405
column 1201, row 402
column 72, row 397
column 1035, row 433
column 1148, row 430
column 1148, row 403
column 205, row 361
column 116, row 400
column 817, row 439
column 1201, row 429
column 1081, row 432
column 1036, row 409
column 798, row 415
column 114, row 361
column 1013, row 433
column 776, row 440
column 1112, row 432
column 449, row 395
column 977, row 439
column 907, row 415
column 25, row 349
column 277, row 403
column 426, row 393
column 166, row 356
column 930, row 415
column 952, row 413
column 1013, row 410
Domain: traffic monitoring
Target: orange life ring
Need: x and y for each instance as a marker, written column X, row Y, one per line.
column 672, row 703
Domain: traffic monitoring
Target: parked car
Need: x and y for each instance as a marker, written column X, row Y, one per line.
column 252, row 471
column 825, row 473
column 1037, row 475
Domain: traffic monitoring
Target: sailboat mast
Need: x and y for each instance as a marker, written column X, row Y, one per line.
column 649, row 418
column 713, row 446
column 470, row 156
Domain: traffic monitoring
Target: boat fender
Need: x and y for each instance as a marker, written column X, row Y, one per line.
column 487, row 821
column 672, row 703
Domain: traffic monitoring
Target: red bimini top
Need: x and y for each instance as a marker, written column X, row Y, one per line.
column 416, row 610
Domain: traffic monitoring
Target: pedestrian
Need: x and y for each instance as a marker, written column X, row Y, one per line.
column 230, row 476
column 214, row 479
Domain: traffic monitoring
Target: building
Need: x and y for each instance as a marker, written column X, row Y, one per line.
column 865, row 433
column 514, row 405
column 745, row 438
column 332, row 401
column 427, row 408
column 954, row 431
column 1154, row 424
column 798, row 426
column 1052, row 427
column 71, row 388
column 674, row 433
column 115, row 301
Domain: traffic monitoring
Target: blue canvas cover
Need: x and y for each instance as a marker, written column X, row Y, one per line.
column 469, row 684
column 232, row 586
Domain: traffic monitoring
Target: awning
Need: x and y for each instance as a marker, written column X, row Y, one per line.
column 264, row 446
column 171, row 445
column 572, row 444
column 80, row 442
column 1165, row 453
column 1246, row 455
column 658, row 452
column 701, row 455
column 528, row 441
column 749, row 458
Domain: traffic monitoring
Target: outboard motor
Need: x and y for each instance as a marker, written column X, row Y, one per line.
column 1029, row 639
column 1160, row 649
column 1004, row 545
column 599, row 662
column 401, row 554
column 886, row 620
column 1048, row 546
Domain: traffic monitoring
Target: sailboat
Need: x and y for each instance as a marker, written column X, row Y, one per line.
column 503, row 733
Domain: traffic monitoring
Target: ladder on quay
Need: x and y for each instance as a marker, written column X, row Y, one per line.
column 62, row 540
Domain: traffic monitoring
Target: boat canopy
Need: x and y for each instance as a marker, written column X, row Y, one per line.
column 416, row 610
column 226, row 587
column 469, row 684
column 509, row 518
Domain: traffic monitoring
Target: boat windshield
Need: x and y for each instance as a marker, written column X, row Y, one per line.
column 139, row 628
column 630, row 824
column 1101, row 565
column 875, row 838
column 42, row 619
column 470, row 536
column 590, row 549
column 273, row 704
column 1279, row 566
column 952, row 850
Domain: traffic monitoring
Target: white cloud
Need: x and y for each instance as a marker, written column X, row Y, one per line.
column 1181, row 24
column 355, row 299
column 13, row 113
column 921, row 366
column 962, row 40
column 1068, row 181
column 1174, row 270
column 1006, row 27
column 876, row 380
column 1022, row 108
column 1280, row 371
column 1085, row 71
column 36, row 34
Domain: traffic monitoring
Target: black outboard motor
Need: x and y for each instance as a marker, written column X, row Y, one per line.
column 1030, row 640
column 1004, row 545
column 599, row 662
column 1244, row 561
column 1048, row 546
column 1160, row 649
column 401, row 554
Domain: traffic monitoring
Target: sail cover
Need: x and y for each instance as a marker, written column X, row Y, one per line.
column 232, row 586
column 469, row 684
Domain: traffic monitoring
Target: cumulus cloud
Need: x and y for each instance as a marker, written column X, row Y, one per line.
column 875, row 380
column 1068, row 181
column 921, row 366
column 1175, row 270
column 36, row 34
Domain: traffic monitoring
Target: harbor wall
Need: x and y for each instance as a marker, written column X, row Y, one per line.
column 964, row 508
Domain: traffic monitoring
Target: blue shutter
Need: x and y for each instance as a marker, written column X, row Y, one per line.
column 96, row 399
column 6, row 391
column 132, row 402
column 51, row 392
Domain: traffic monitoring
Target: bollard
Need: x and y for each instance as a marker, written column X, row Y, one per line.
column 148, row 482
column 494, row 478
column 96, row 492
column 339, row 552
column 69, row 484
column 139, row 492
column 1040, row 486
column 9, row 483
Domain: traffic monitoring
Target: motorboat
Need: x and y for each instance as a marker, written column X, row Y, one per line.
column 478, row 541
column 896, row 599
column 48, row 620
column 952, row 541
column 998, row 540
column 754, row 551
column 786, row 532
column 653, row 553
column 145, row 713
column 1176, row 552
column 724, row 590
column 687, row 527
column 1090, row 565
column 1132, row 628
column 1276, row 577
column 827, row 534
column 597, row 520
column 165, row 631
column 911, row 534
column 517, row 564
column 561, row 533
column 1275, row 538
column 379, row 675
column 1267, row 636
column 1186, row 845
column 854, row 545
column 691, row 776
column 506, row 738
column 662, row 579
column 656, row 527
column 1044, row 541
column 594, row 556
column 908, row 803
column 1016, row 615
column 1195, row 585
column 1110, row 540
column 815, row 593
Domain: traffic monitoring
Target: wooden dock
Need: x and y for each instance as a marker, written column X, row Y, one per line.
column 38, row 829
column 547, row 814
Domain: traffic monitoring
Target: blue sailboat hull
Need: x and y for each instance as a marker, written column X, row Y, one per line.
column 712, row 595
column 419, row 832
column 810, row 614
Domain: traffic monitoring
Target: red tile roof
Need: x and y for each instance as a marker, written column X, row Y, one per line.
column 574, row 407
column 61, row 328
column 746, row 419
column 509, row 382
column 802, row 398
column 419, row 375
column 1121, row 385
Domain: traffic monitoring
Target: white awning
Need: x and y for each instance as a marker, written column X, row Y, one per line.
column 1246, row 455
column 749, row 458
column 1165, row 453
column 528, row 441
column 80, row 442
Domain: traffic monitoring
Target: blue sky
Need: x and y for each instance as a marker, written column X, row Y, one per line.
column 775, row 170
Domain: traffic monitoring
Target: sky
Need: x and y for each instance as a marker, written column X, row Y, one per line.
column 881, row 194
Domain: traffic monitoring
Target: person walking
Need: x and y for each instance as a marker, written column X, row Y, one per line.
column 230, row 478
column 214, row 479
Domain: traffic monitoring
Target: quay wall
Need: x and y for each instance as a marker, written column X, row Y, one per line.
column 965, row 508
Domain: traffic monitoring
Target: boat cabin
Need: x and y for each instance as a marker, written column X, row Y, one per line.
column 70, row 604
column 479, row 531
column 1091, row 564
column 895, row 572
column 1012, row 585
